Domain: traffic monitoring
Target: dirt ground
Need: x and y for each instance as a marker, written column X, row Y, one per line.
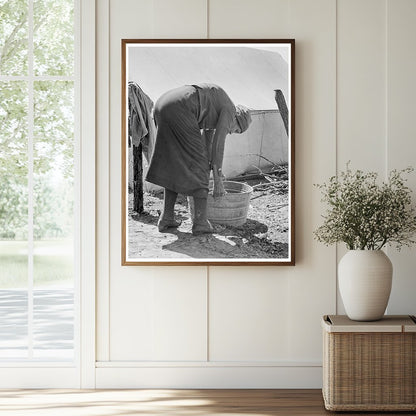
column 264, row 235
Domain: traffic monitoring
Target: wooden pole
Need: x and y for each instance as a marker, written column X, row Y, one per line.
column 282, row 106
column 138, row 178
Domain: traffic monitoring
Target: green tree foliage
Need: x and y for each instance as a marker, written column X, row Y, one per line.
column 13, row 209
column 13, row 37
column 52, row 208
column 53, row 37
column 13, row 159
column 54, row 127
column 53, row 118
column 13, row 131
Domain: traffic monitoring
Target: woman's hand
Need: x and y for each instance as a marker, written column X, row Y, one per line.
column 219, row 190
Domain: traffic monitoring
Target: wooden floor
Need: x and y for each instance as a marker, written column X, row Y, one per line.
column 164, row 402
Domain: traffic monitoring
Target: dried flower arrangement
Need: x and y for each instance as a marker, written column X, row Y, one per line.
column 366, row 215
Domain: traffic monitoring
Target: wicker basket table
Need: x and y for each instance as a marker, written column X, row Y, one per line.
column 369, row 365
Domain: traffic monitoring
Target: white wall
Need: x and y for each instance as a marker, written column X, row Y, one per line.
column 254, row 326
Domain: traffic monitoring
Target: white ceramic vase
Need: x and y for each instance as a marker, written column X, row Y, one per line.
column 364, row 278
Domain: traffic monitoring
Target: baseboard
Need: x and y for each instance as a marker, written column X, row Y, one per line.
column 245, row 377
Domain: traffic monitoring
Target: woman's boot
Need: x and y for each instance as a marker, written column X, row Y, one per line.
column 167, row 220
column 201, row 224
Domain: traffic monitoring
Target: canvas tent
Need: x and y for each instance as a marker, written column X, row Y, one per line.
column 249, row 75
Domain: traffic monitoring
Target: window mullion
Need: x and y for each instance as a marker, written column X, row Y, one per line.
column 30, row 179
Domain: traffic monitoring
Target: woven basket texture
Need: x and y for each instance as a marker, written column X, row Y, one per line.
column 369, row 371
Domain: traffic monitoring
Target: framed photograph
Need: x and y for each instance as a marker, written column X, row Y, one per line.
column 208, row 152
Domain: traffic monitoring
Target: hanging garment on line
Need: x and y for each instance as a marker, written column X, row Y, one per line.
column 141, row 125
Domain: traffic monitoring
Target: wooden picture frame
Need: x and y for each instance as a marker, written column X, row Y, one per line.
column 253, row 225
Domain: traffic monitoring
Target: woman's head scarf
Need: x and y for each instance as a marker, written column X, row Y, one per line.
column 243, row 117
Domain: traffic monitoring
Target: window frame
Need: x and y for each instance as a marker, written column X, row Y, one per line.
column 80, row 373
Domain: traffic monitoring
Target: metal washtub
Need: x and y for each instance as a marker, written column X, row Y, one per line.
column 232, row 208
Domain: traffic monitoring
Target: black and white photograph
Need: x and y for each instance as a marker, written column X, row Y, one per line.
column 208, row 152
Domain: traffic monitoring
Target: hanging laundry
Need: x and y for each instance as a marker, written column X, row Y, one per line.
column 141, row 125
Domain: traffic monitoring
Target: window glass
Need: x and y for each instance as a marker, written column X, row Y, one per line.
column 53, row 214
column 37, row 176
column 13, row 219
column 13, row 37
column 53, row 37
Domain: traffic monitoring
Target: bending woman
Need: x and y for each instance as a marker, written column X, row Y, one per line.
column 183, row 156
